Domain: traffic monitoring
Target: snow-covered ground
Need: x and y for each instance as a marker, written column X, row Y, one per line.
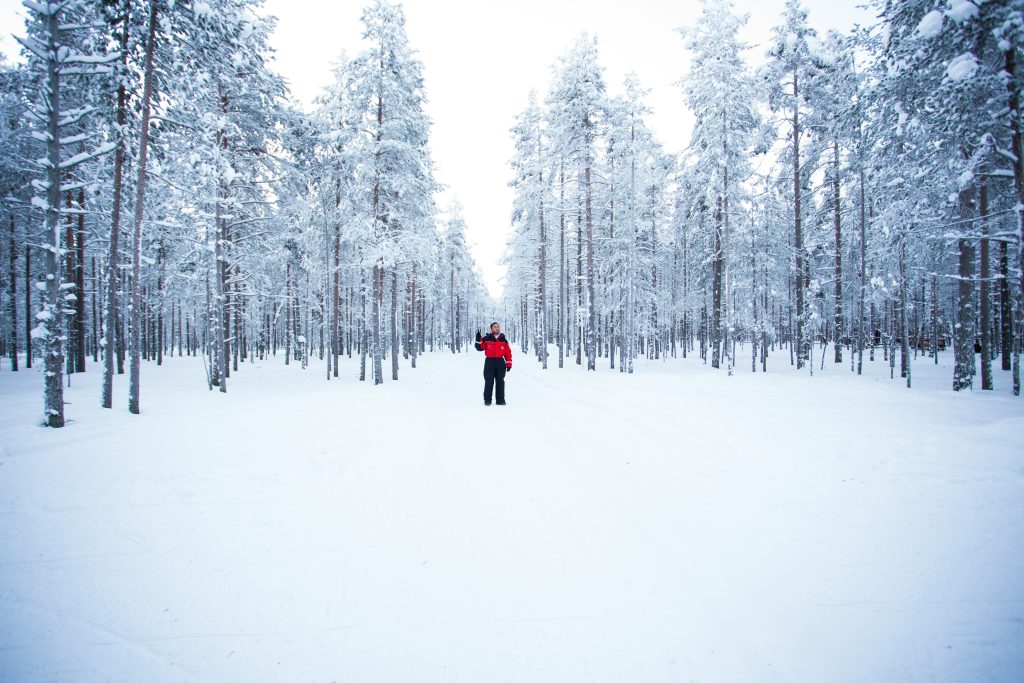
column 673, row 525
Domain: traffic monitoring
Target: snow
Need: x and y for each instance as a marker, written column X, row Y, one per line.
column 202, row 10
column 671, row 525
column 43, row 8
column 961, row 10
column 931, row 25
column 104, row 148
column 962, row 67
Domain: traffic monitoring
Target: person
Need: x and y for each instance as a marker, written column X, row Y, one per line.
column 497, row 362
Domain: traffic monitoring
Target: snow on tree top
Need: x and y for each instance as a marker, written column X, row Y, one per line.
column 962, row 67
column 961, row 10
column 931, row 25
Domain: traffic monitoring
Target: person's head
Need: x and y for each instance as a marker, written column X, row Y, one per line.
column 495, row 329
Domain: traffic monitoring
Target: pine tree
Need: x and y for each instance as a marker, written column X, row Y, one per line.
column 723, row 96
column 54, row 39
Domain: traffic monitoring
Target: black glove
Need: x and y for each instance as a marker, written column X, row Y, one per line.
column 508, row 368
column 478, row 335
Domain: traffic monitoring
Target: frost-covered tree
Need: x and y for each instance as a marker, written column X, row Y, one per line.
column 946, row 58
column 791, row 72
column 56, row 35
column 394, row 171
column 18, row 146
column 723, row 96
column 576, row 108
column 532, row 183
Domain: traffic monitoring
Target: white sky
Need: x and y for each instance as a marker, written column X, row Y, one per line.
column 482, row 58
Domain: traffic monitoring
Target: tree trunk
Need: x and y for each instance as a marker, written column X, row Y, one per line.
column 753, row 304
column 97, row 313
column 561, row 266
column 798, row 240
column 219, row 357
column 28, row 307
column 378, row 268
column 716, row 287
column 52, row 316
column 904, row 332
column 578, row 330
column 655, row 342
column 412, row 331
column 963, row 338
column 70, row 343
column 80, row 324
column 591, row 314
column 362, row 326
column 288, row 312
column 140, row 198
column 863, row 273
column 451, row 306
column 985, row 308
column 336, row 281
column 394, row 322
column 1017, row 150
column 378, row 300
column 13, row 294
column 1005, row 306
column 542, row 332
column 935, row 319
column 837, row 331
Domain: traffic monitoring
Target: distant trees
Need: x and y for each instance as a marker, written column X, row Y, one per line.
column 853, row 192
column 863, row 191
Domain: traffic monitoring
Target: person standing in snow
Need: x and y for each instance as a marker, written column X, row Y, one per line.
column 497, row 361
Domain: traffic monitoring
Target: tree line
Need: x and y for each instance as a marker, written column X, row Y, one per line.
column 855, row 193
column 163, row 196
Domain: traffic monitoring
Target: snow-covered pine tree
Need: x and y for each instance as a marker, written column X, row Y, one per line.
column 16, row 146
column 789, row 72
column 948, row 60
column 395, row 171
column 531, row 183
column 723, row 97
column 56, row 34
column 576, row 107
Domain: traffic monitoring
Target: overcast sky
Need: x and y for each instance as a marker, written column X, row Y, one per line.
column 480, row 61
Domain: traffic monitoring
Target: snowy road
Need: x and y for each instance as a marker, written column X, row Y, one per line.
column 675, row 525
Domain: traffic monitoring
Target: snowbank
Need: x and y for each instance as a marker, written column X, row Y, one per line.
column 667, row 526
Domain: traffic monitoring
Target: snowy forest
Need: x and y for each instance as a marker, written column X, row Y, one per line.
column 163, row 195
column 858, row 195
column 746, row 293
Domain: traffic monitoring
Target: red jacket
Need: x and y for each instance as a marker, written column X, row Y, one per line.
column 496, row 348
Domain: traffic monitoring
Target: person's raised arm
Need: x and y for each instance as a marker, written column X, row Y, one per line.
column 478, row 347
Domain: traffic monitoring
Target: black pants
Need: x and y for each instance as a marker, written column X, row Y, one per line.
column 494, row 373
